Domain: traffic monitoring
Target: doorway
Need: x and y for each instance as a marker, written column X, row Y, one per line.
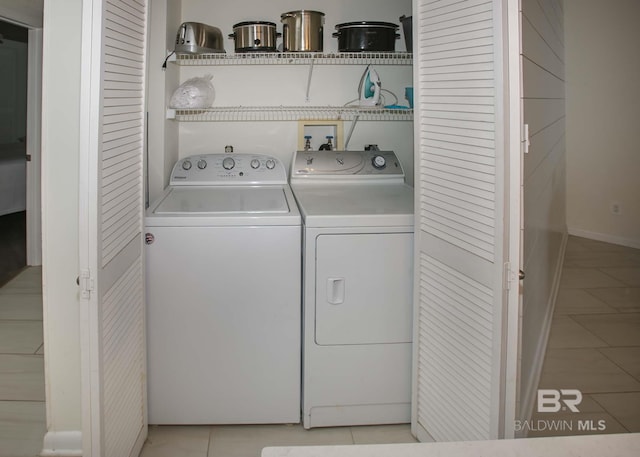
column 22, row 403
column 13, row 153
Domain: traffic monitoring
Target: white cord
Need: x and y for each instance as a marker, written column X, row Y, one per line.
column 394, row 96
column 309, row 79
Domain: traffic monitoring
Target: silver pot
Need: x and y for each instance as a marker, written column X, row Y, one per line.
column 302, row 31
column 255, row 36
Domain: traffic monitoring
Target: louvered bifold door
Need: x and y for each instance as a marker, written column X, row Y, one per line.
column 460, row 213
column 112, row 276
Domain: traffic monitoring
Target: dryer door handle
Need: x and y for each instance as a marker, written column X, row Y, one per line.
column 335, row 291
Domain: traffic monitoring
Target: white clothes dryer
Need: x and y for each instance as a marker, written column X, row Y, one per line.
column 357, row 215
column 223, row 294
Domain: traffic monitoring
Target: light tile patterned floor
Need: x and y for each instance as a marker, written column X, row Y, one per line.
column 594, row 346
column 22, row 407
column 248, row 440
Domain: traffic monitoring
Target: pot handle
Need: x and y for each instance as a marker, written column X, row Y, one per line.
column 232, row 35
column 397, row 36
column 337, row 34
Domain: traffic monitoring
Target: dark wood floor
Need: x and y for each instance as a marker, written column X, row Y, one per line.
column 13, row 245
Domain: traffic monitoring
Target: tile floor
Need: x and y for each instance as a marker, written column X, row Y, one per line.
column 594, row 344
column 248, row 440
column 22, row 408
column 594, row 347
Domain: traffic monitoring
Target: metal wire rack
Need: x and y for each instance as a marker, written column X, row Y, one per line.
column 295, row 58
column 288, row 113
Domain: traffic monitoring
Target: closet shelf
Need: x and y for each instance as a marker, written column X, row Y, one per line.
column 288, row 113
column 296, row 58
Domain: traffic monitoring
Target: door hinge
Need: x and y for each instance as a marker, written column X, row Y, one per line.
column 85, row 281
column 525, row 139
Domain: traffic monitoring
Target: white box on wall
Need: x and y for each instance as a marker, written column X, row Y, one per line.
column 319, row 131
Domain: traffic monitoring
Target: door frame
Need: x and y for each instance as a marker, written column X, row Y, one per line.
column 34, row 147
column 514, row 186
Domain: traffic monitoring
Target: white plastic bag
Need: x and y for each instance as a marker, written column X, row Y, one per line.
column 194, row 93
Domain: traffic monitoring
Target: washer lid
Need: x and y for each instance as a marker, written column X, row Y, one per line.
column 223, row 201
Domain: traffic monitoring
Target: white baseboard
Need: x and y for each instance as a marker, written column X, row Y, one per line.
column 62, row 444
column 530, row 391
column 629, row 242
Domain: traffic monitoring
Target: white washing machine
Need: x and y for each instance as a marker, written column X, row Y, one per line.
column 223, row 294
column 357, row 215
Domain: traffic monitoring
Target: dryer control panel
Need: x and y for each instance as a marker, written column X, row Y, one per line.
column 228, row 168
column 358, row 165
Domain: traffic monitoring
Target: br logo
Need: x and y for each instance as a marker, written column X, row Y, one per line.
column 552, row 400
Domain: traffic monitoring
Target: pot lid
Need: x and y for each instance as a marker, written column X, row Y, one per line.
column 295, row 13
column 367, row 24
column 242, row 24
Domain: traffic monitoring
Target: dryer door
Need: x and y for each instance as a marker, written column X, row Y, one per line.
column 364, row 288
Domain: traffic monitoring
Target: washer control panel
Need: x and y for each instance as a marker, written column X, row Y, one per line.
column 228, row 168
column 359, row 165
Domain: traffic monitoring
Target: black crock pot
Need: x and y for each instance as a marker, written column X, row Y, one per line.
column 366, row 36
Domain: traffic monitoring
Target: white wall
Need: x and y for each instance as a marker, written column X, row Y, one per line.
column 13, row 92
column 13, row 115
column 281, row 85
column 162, row 143
column 603, row 119
column 544, row 181
column 60, row 116
column 27, row 13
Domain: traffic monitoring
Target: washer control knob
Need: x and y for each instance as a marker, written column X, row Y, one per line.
column 202, row 164
column 186, row 165
column 379, row 162
column 255, row 163
column 228, row 163
column 271, row 164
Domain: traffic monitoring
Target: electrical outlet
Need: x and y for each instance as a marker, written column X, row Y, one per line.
column 615, row 208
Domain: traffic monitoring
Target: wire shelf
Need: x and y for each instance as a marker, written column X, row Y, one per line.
column 295, row 58
column 288, row 113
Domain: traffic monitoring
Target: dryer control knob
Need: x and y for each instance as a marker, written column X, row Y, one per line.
column 379, row 162
column 271, row 164
column 228, row 163
column 202, row 164
column 255, row 163
column 186, row 165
